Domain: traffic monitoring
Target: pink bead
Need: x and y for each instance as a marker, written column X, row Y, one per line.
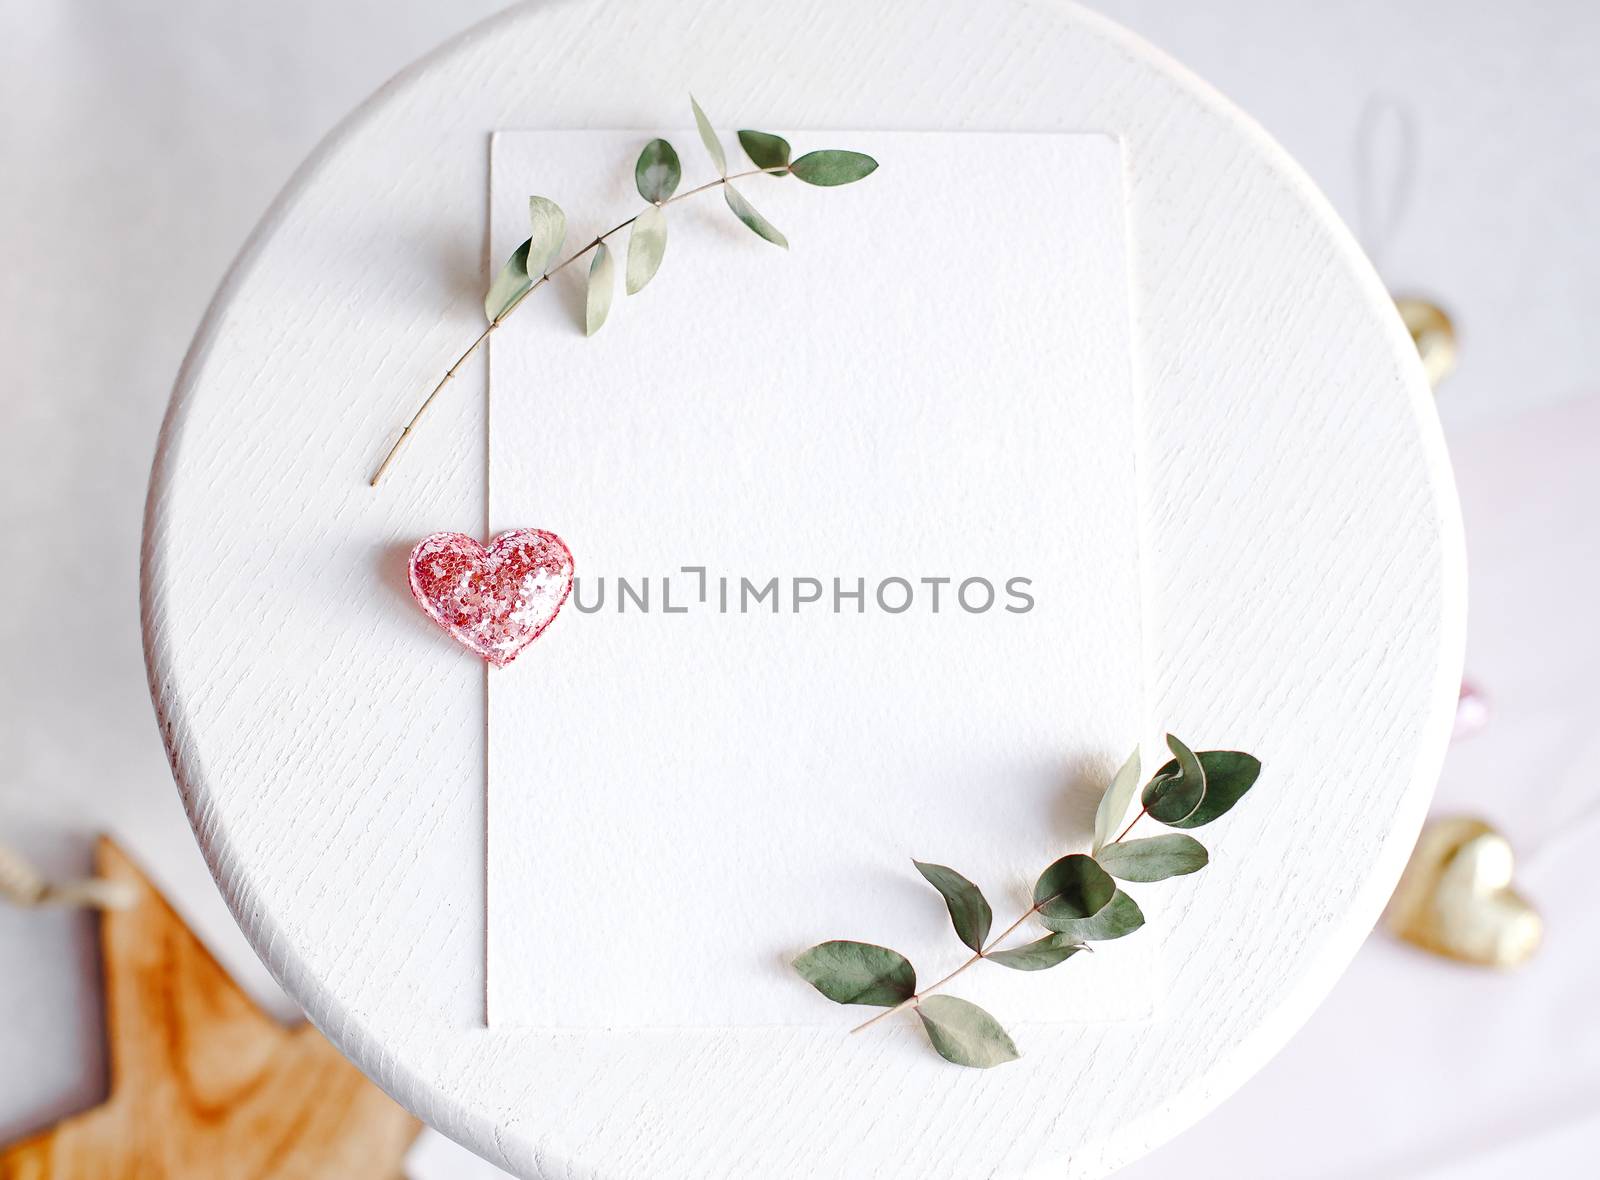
column 1472, row 711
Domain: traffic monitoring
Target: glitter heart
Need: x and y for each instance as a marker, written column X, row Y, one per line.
column 494, row 600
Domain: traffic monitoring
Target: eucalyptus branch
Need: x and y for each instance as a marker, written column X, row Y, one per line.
column 1076, row 899
column 656, row 175
column 912, row 1001
column 988, row 949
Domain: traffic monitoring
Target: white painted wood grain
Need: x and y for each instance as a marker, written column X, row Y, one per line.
column 1303, row 593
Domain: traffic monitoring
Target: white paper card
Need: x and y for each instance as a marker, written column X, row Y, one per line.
column 935, row 382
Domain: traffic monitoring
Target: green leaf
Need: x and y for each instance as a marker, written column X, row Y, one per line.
column 858, row 973
column 549, row 231
column 1174, row 799
column 764, row 149
column 833, row 167
column 1049, row 951
column 647, row 242
column 1121, row 915
column 1114, row 803
column 602, row 282
column 510, row 285
column 1074, row 887
column 709, row 138
column 1229, row 774
column 1155, row 859
column 969, row 910
column 964, row 1033
column 657, row 173
column 747, row 214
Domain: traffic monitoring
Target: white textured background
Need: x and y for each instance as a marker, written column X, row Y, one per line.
column 139, row 144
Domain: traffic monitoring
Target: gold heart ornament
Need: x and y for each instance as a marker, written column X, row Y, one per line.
column 1455, row 897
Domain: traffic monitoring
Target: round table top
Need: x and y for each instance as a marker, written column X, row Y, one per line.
column 1303, row 563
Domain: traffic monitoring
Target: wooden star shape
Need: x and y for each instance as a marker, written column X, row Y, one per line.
column 203, row 1083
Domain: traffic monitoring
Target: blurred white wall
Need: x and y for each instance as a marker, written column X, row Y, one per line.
column 139, row 143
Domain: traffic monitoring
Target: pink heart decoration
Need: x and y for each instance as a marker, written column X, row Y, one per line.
column 497, row 600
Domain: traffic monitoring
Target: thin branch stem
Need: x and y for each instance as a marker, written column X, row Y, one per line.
column 1143, row 811
column 428, row 401
column 992, row 945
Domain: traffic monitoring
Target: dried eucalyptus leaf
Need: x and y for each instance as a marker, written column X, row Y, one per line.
column 964, row 1033
column 858, row 973
column 1188, row 765
column 969, row 910
column 1049, row 951
column 1074, row 887
column 765, row 149
column 510, row 285
column 833, row 167
column 1121, row 915
column 549, row 231
column 1114, row 803
column 647, row 242
column 709, row 138
column 658, row 171
column 1173, row 800
column 1229, row 774
column 602, row 284
column 746, row 213
column 1155, row 859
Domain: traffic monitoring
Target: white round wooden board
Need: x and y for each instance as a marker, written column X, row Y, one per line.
column 1304, row 593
